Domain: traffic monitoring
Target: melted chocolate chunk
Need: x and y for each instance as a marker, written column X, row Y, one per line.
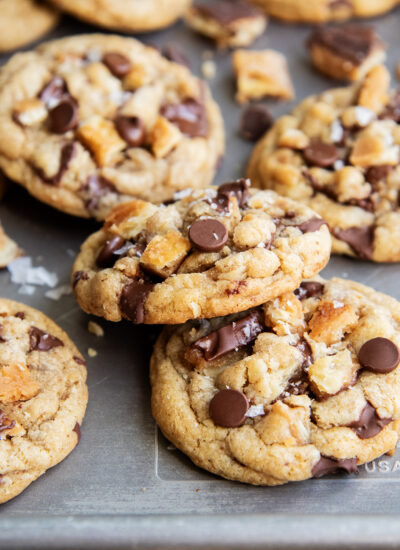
column 64, row 116
column 20, row 315
column 77, row 430
column 68, row 151
column 208, row 235
column 306, row 350
column 108, row 255
column 309, row 289
column 133, row 298
column 189, row 116
column 360, row 239
column 321, row 154
column 353, row 43
column 42, row 341
column 311, row 225
column 366, row 204
column 96, row 187
column 392, row 110
column 227, row 338
column 254, row 122
column 226, row 12
column 79, row 361
column 369, row 424
column 376, row 174
column 174, row 53
column 54, row 91
column 118, row 64
column 327, row 466
column 238, row 189
column 379, row 355
column 228, row 408
column 1, row 334
column 131, row 129
column 77, row 276
column 5, row 422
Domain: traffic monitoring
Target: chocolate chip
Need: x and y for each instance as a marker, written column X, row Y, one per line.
column 68, row 151
column 376, row 174
column 379, row 355
column 64, row 116
column 360, row 239
column 131, row 129
column 118, row 64
column 254, row 122
column 327, row 466
column 1, row 334
column 304, row 347
column 351, row 42
column 54, row 91
column 309, row 289
column 5, row 422
column 369, row 424
column 226, row 12
column 189, row 116
column 230, row 337
column 96, row 187
column 79, row 361
column 228, row 408
column 238, row 189
column 208, row 235
column 77, row 430
column 20, row 315
column 77, row 276
column 392, row 110
column 107, row 256
column 42, row 341
column 311, row 225
column 318, row 153
column 133, row 298
column 174, row 53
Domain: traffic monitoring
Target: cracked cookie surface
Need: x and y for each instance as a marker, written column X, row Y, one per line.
column 339, row 153
column 132, row 16
column 23, row 21
column 90, row 121
column 43, row 396
column 211, row 252
column 320, row 11
column 305, row 385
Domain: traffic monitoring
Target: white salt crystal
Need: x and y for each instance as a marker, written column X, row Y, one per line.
column 56, row 293
column 255, row 410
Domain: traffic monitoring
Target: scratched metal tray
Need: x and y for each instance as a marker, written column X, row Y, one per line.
column 125, row 486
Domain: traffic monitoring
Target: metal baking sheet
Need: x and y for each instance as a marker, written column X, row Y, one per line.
column 125, row 486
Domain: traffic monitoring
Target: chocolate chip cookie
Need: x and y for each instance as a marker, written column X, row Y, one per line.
column 43, row 396
column 210, row 252
column 23, row 21
column 132, row 16
column 305, row 385
column 339, row 153
column 319, row 11
column 90, row 121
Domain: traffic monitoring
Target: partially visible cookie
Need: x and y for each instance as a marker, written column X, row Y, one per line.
column 231, row 23
column 320, row 11
column 345, row 52
column 9, row 250
column 120, row 15
column 23, row 21
column 339, row 152
column 90, row 121
column 210, row 252
column 306, row 385
column 43, row 396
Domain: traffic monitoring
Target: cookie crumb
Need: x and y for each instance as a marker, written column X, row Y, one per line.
column 209, row 69
column 92, row 352
column 95, row 329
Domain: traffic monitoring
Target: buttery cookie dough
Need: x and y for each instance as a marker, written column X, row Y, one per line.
column 305, row 385
column 131, row 16
column 231, row 23
column 211, row 252
column 43, row 396
column 320, row 11
column 23, row 21
column 90, row 121
column 338, row 152
column 346, row 52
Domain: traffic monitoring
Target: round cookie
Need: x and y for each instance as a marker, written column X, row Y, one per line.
column 120, row 15
column 43, row 396
column 320, row 11
column 90, row 121
column 338, row 152
column 23, row 21
column 306, row 385
column 212, row 252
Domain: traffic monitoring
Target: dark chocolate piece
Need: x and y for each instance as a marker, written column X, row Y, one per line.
column 133, row 298
column 379, row 355
column 228, row 408
column 369, row 424
column 42, row 341
column 208, row 235
column 189, row 116
column 327, row 466
column 360, row 239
